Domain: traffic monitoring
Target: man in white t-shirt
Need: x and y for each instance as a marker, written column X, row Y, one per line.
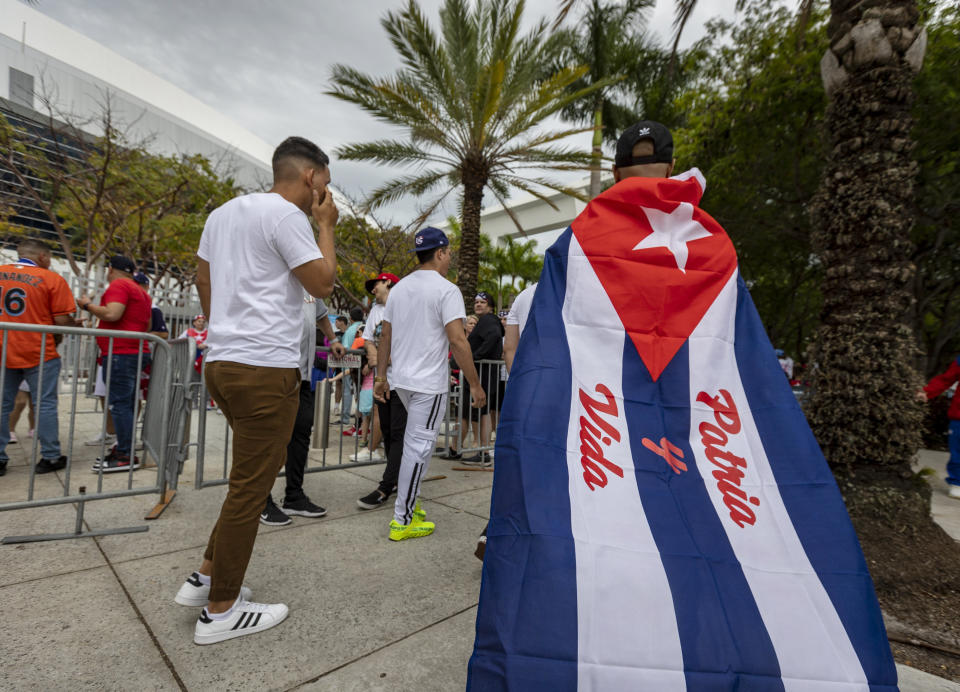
column 379, row 286
column 423, row 318
column 257, row 255
column 516, row 321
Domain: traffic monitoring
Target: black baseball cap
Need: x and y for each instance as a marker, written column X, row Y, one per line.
column 141, row 278
column 645, row 129
column 429, row 238
column 124, row 264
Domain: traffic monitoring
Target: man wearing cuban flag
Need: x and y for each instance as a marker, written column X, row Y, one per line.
column 662, row 517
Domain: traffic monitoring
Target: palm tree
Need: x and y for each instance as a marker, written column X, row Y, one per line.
column 608, row 39
column 682, row 11
column 863, row 408
column 471, row 101
column 511, row 258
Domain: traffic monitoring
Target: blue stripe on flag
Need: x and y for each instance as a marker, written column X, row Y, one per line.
column 811, row 496
column 529, row 562
column 721, row 630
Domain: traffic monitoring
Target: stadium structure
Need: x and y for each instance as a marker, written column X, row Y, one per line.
column 47, row 68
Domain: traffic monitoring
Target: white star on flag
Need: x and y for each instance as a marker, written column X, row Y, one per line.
column 673, row 231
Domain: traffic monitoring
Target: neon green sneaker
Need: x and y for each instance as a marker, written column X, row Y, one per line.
column 415, row 529
column 419, row 514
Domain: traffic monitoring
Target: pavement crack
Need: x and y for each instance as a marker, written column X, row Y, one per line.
column 143, row 621
column 381, row 648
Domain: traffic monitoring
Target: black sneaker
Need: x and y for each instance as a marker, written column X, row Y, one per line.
column 373, row 500
column 111, row 453
column 450, row 454
column 302, row 508
column 49, row 465
column 482, row 459
column 115, row 463
column 273, row 516
column 3, row 469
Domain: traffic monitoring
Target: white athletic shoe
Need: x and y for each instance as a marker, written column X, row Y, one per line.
column 247, row 618
column 364, row 455
column 99, row 441
column 194, row 593
column 954, row 491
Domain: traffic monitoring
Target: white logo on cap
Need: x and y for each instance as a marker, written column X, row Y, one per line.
column 644, row 131
column 419, row 240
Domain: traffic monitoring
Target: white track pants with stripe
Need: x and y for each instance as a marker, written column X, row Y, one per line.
column 424, row 414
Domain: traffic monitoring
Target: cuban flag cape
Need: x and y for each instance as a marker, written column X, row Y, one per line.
column 662, row 517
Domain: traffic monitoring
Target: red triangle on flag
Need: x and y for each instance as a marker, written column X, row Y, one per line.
column 661, row 259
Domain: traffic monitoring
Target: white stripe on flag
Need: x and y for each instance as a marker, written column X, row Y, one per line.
column 811, row 643
column 627, row 628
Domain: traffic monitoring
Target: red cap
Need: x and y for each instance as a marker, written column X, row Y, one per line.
column 384, row 276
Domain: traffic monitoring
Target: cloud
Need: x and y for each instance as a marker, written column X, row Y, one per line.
column 266, row 65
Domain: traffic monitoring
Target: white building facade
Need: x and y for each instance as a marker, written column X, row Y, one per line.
column 42, row 59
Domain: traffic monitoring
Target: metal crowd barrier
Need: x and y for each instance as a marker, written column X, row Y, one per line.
column 462, row 419
column 336, row 438
column 162, row 419
column 341, row 452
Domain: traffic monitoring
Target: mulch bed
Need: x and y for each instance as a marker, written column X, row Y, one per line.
column 916, row 570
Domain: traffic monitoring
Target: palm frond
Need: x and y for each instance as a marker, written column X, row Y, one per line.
column 393, row 190
column 391, row 152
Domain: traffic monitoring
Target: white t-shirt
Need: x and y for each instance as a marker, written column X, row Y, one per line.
column 252, row 242
column 374, row 318
column 314, row 310
column 520, row 309
column 419, row 309
column 371, row 330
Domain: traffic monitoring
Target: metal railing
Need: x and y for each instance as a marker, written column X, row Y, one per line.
column 342, row 451
column 162, row 418
column 338, row 437
column 463, row 419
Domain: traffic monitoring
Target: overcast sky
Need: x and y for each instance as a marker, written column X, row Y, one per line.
column 266, row 64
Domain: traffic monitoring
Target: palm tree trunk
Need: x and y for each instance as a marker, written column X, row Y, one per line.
column 469, row 257
column 596, row 162
column 863, row 407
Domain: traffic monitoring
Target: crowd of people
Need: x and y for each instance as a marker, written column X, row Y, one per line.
column 266, row 262
column 34, row 294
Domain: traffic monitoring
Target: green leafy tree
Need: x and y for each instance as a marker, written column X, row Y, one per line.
column 107, row 193
column 936, row 235
column 472, row 101
column 754, row 126
column 367, row 246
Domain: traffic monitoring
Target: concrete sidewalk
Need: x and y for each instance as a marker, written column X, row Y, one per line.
column 366, row 614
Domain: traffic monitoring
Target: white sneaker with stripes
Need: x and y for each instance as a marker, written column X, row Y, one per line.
column 247, row 618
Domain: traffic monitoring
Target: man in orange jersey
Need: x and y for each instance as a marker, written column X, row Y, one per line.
column 31, row 293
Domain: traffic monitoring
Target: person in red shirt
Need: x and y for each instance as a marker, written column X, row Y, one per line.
column 123, row 307
column 32, row 294
column 935, row 387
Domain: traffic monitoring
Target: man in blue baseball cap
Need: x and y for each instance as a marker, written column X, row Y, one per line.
column 422, row 321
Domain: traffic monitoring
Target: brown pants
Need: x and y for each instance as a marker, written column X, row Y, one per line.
column 260, row 404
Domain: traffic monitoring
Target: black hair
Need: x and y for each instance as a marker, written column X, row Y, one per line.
column 356, row 313
column 424, row 256
column 296, row 148
column 341, row 318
